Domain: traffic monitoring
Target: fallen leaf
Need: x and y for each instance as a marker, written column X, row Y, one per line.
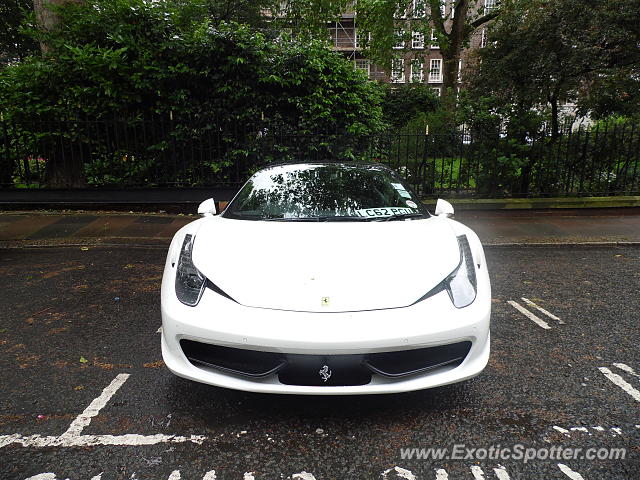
column 83, row 360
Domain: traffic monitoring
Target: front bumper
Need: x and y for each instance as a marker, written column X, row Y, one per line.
column 430, row 323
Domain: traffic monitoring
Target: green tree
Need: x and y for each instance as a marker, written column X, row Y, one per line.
column 542, row 52
column 453, row 24
column 133, row 58
column 14, row 43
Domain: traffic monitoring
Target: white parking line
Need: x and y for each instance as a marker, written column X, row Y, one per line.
column 400, row 473
column 477, row 472
column 626, row 368
column 394, row 472
column 570, row 473
column 441, row 474
column 621, row 382
column 95, row 406
column 501, row 473
column 539, row 308
column 72, row 436
column 303, row 476
column 591, row 430
column 529, row 315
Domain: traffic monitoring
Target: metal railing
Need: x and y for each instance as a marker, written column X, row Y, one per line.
column 599, row 161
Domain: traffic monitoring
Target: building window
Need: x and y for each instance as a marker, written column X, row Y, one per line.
column 453, row 8
column 459, row 70
column 435, row 70
column 397, row 70
column 419, row 8
column 364, row 65
column 399, row 34
column 483, row 38
column 417, row 40
column 489, row 5
column 436, row 91
column 417, row 70
column 434, row 39
column 401, row 12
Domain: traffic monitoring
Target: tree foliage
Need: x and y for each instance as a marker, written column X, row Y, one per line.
column 542, row 52
column 136, row 58
column 385, row 23
column 15, row 44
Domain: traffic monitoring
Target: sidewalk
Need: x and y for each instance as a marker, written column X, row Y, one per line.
column 495, row 228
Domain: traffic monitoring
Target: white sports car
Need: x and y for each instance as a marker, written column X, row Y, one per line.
column 329, row 279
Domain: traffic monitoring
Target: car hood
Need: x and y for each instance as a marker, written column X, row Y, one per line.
column 326, row 266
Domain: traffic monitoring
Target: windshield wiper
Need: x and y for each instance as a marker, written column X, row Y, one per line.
column 400, row 216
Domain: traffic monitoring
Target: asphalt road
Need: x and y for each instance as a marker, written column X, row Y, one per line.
column 78, row 333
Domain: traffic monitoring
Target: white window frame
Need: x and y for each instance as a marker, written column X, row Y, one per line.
column 483, row 38
column 400, row 44
column 489, row 5
column 434, row 38
column 419, row 6
column 437, row 76
column 367, row 64
column 453, row 9
column 437, row 91
column 400, row 13
column 420, row 76
column 395, row 78
column 459, row 70
column 417, row 40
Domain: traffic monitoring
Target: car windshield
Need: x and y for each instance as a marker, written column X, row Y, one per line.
column 324, row 192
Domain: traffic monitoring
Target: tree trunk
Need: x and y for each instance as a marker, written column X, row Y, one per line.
column 46, row 16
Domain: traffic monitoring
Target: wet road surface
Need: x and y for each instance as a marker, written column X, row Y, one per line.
column 84, row 393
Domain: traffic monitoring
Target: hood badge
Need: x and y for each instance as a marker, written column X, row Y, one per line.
column 324, row 301
column 325, row 373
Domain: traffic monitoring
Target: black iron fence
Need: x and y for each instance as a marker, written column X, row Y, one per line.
column 594, row 161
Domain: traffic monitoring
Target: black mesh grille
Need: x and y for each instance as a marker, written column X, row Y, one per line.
column 324, row 370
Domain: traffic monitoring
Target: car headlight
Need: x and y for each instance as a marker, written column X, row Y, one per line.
column 461, row 284
column 190, row 283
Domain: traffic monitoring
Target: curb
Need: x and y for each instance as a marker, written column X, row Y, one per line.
column 541, row 203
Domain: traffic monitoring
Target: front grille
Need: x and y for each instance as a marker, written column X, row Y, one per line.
column 411, row 362
column 324, row 370
column 250, row 363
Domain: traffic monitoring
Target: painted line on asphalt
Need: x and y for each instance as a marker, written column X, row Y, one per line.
column 84, row 419
column 621, row 382
column 591, row 430
column 477, row 473
column 626, row 368
column 72, row 436
column 531, row 316
column 394, row 472
column 573, row 475
column 540, row 309
column 501, row 473
column 441, row 474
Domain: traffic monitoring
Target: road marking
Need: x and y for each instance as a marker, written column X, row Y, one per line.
column 614, row 431
column 570, row 473
column 95, row 406
column 401, row 473
column 441, row 474
column 539, row 308
column 501, row 473
column 626, row 368
column 620, row 382
column 529, row 315
column 303, row 476
column 477, row 472
column 72, row 436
